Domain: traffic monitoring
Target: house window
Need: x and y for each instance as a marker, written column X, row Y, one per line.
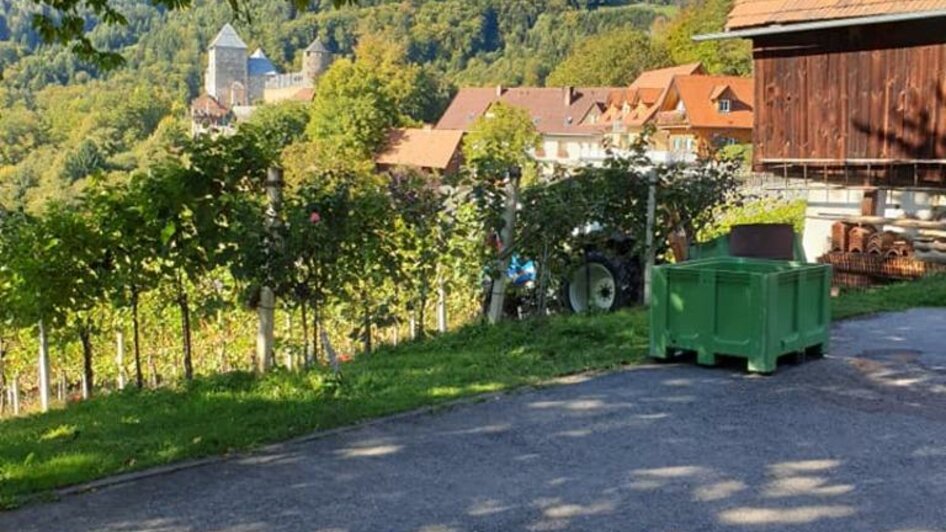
column 683, row 144
column 725, row 105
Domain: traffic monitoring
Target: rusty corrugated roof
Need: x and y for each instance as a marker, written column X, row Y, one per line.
column 752, row 13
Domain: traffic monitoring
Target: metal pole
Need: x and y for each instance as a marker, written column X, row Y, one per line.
column 498, row 292
column 265, row 336
column 649, row 238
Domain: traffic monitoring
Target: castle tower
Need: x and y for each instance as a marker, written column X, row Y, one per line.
column 315, row 60
column 259, row 70
column 227, row 77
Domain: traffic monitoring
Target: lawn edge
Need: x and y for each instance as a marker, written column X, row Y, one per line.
column 167, row 469
column 162, row 470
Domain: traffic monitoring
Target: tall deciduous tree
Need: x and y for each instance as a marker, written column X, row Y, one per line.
column 353, row 110
column 729, row 56
column 131, row 238
column 50, row 269
column 611, row 59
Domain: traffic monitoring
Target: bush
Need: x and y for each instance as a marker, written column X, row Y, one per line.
column 759, row 211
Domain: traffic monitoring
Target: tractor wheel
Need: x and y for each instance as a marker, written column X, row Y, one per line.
column 594, row 286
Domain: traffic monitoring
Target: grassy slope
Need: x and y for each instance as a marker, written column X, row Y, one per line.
column 131, row 430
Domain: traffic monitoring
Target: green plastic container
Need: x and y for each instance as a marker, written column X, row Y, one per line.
column 719, row 247
column 749, row 308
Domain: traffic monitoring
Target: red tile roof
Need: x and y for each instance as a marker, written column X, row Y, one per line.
column 550, row 108
column 304, row 94
column 697, row 93
column 206, row 105
column 420, row 148
column 660, row 78
column 749, row 13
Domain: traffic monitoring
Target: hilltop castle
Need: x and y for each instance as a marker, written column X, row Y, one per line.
column 235, row 82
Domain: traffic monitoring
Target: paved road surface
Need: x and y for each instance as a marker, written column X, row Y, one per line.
column 853, row 442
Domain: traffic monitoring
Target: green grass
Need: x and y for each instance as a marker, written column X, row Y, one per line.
column 131, row 430
column 215, row 415
column 928, row 292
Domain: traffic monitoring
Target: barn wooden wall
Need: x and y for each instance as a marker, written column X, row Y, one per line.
column 871, row 92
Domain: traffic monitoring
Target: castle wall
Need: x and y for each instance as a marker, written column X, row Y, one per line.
column 256, row 89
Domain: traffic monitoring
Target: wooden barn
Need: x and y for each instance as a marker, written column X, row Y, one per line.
column 851, row 94
column 850, row 90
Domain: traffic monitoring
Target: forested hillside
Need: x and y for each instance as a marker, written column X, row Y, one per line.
column 62, row 120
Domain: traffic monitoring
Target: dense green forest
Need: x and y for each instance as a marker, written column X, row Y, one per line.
column 62, row 119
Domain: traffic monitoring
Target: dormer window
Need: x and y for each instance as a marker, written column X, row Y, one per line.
column 725, row 105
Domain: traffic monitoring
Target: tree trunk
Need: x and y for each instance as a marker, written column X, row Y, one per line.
column 120, row 357
column 316, row 331
column 366, row 308
column 3, row 379
column 223, row 330
column 139, row 378
column 422, row 314
column 88, row 377
column 306, row 346
column 153, row 370
column 498, row 292
column 441, row 306
column 543, row 285
column 330, row 352
column 43, row 369
column 186, row 333
column 287, row 344
column 15, row 395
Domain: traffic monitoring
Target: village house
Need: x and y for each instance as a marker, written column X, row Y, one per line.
column 698, row 114
column 851, row 99
column 630, row 109
column 692, row 113
column 568, row 118
column 425, row 149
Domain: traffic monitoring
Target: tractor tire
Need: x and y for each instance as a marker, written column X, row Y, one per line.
column 605, row 281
